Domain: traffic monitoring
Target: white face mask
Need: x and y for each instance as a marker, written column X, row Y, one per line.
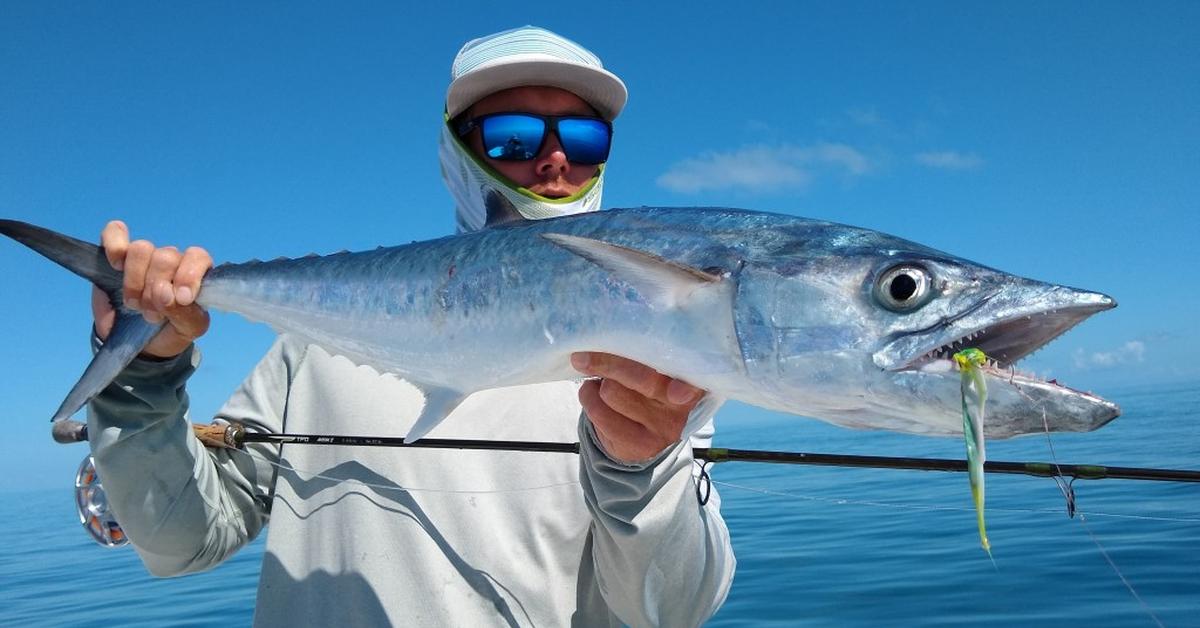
column 469, row 182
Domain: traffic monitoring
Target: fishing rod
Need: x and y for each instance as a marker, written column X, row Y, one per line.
column 97, row 519
column 235, row 436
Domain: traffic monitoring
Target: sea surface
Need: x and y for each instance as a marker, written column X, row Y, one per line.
column 815, row 546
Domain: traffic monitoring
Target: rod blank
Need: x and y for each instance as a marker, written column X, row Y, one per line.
column 234, row 435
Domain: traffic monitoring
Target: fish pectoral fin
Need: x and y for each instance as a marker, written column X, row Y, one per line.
column 439, row 403
column 660, row 281
column 130, row 334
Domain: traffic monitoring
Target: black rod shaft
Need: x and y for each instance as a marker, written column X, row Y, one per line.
column 427, row 443
column 721, row 454
column 1039, row 469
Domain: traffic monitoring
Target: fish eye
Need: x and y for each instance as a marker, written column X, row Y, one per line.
column 903, row 288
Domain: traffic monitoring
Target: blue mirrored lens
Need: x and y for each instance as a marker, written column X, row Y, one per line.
column 512, row 137
column 584, row 140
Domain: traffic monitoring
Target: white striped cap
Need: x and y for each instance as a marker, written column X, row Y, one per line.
column 531, row 56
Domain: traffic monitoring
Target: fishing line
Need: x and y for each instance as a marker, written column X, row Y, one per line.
column 1124, row 516
column 224, row 438
column 930, row 507
column 706, row 480
column 1125, row 581
column 703, row 483
column 1082, row 519
column 1068, row 491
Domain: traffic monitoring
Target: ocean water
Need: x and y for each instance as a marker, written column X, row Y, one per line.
column 815, row 546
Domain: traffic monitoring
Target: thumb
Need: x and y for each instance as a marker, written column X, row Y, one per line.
column 189, row 321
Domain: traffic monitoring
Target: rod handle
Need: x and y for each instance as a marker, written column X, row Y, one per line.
column 219, row 435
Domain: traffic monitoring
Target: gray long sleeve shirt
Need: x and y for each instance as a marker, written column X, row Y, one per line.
column 374, row 536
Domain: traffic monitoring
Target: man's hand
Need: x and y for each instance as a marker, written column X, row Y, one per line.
column 162, row 283
column 635, row 411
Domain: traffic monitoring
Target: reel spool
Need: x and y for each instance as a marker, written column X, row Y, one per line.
column 92, row 506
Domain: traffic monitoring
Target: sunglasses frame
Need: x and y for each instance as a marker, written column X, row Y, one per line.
column 549, row 124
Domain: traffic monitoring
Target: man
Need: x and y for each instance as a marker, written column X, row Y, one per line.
column 425, row 537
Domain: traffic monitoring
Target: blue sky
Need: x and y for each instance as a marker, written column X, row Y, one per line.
column 1055, row 140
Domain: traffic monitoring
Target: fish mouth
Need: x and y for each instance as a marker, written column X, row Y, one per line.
column 1008, row 341
column 1007, row 325
column 1004, row 330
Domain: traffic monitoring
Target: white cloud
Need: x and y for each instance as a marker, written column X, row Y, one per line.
column 949, row 160
column 1132, row 352
column 762, row 168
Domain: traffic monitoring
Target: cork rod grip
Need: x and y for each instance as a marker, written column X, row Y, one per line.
column 219, row 435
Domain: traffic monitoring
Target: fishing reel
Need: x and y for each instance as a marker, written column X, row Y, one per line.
column 91, row 503
column 92, row 506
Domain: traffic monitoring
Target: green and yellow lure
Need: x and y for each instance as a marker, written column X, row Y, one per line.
column 974, row 387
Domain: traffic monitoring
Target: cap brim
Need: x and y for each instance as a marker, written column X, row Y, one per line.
column 599, row 87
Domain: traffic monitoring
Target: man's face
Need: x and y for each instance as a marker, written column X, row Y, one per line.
column 548, row 174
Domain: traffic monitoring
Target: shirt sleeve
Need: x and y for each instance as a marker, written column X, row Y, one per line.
column 185, row 508
column 661, row 558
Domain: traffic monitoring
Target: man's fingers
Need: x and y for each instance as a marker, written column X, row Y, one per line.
column 633, row 375
column 625, row 400
column 637, row 377
column 115, row 240
column 617, row 433
column 195, row 263
column 663, row 420
column 159, row 294
column 190, row 321
column 137, row 263
column 161, row 283
column 682, row 393
column 656, row 417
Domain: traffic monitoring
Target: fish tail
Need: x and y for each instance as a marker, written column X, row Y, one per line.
column 131, row 332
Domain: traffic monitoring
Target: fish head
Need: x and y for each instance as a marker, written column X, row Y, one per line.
column 861, row 330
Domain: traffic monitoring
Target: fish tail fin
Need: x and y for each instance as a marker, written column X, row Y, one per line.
column 131, row 332
column 82, row 258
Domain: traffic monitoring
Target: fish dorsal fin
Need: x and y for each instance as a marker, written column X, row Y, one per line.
column 500, row 210
column 660, row 281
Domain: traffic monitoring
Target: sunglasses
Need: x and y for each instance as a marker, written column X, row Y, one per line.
column 520, row 136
